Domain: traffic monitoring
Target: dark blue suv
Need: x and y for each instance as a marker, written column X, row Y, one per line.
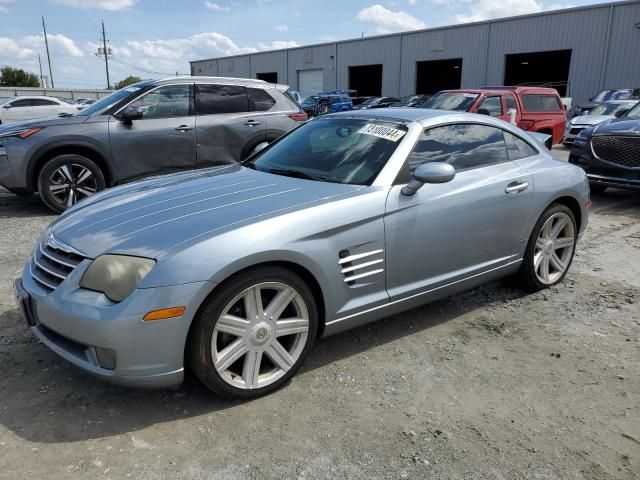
column 323, row 103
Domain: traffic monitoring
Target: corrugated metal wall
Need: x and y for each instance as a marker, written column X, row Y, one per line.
column 604, row 40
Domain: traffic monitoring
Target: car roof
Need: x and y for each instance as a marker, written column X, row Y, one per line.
column 28, row 97
column 623, row 102
column 405, row 114
column 524, row 89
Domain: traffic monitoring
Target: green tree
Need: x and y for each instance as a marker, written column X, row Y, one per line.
column 16, row 77
column 127, row 81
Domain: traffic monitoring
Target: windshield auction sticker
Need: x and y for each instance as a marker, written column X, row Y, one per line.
column 388, row 133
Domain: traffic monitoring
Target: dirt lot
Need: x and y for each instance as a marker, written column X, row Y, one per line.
column 492, row 384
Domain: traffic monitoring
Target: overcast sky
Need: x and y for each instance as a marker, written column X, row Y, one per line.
column 163, row 35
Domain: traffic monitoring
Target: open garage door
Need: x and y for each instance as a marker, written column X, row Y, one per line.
column 539, row 68
column 310, row 82
column 271, row 77
column 435, row 75
column 366, row 79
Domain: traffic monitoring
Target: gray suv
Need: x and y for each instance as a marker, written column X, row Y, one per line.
column 149, row 128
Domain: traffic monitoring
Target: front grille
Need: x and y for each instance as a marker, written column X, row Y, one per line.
column 623, row 151
column 52, row 262
column 576, row 131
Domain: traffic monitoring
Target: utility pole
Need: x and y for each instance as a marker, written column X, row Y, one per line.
column 46, row 43
column 106, row 55
column 41, row 79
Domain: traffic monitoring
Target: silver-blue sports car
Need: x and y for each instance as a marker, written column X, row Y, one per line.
column 235, row 271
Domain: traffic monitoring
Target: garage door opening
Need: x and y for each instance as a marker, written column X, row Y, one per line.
column 435, row 75
column 539, row 68
column 271, row 77
column 310, row 82
column 366, row 79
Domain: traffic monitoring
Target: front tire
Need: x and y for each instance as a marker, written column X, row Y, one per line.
column 253, row 333
column 550, row 249
column 66, row 179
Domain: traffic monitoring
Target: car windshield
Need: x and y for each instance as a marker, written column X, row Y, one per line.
column 602, row 96
column 634, row 112
column 110, row 100
column 609, row 108
column 405, row 101
column 310, row 100
column 370, row 101
column 337, row 150
column 457, row 101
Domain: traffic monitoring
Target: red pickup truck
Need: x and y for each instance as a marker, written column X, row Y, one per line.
column 537, row 109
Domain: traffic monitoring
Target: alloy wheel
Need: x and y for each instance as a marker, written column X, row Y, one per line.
column 260, row 335
column 554, row 248
column 72, row 182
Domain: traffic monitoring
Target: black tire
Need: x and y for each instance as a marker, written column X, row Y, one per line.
column 199, row 354
column 597, row 189
column 527, row 273
column 74, row 163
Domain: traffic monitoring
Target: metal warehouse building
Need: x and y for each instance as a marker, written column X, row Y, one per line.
column 580, row 50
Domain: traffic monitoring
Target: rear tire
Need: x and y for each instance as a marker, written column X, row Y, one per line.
column 244, row 343
column 550, row 250
column 66, row 179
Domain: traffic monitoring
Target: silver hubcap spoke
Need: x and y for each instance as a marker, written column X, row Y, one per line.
column 554, row 248
column 260, row 335
column 72, row 182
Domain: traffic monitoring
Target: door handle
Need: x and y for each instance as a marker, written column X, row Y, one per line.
column 252, row 123
column 516, row 187
column 184, row 128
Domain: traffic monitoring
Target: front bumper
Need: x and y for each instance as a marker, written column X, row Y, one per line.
column 82, row 325
column 603, row 173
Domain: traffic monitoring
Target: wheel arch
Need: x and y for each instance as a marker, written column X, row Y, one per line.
column 86, row 150
column 573, row 205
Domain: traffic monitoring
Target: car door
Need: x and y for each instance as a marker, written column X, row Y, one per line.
column 452, row 231
column 226, row 129
column 19, row 109
column 163, row 140
column 492, row 105
column 509, row 105
column 42, row 107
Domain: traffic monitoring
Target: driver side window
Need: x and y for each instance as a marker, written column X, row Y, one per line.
column 463, row 145
column 493, row 105
column 165, row 102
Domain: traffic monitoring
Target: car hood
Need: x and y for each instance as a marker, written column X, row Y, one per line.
column 590, row 119
column 44, row 122
column 148, row 218
column 619, row 126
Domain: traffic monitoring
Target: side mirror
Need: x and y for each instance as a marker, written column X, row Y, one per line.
column 430, row 172
column 483, row 111
column 130, row 114
column 622, row 113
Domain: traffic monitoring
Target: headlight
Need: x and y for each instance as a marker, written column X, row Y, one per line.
column 19, row 132
column 567, row 125
column 117, row 276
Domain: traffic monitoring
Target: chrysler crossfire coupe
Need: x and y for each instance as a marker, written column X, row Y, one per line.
column 236, row 271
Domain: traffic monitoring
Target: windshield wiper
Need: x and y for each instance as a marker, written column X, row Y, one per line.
column 297, row 174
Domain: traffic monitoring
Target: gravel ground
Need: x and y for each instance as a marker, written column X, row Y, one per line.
column 491, row 384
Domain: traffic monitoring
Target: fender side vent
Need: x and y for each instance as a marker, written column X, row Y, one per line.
column 357, row 266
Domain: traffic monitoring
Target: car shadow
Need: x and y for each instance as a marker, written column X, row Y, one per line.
column 48, row 400
column 615, row 201
column 22, row 206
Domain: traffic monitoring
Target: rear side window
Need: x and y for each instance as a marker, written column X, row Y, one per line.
column 259, row 100
column 465, row 146
column 25, row 102
column 518, row 148
column 214, row 99
column 541, row 103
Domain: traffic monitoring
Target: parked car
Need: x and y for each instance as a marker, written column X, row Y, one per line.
column 350, row 93
column 24, row 108
column 534, row 109
column 358, row 100
column 411, row 101
column 377, row 102
column 151, row 127
column 323, row 103
column 604, row 111
column 295, row 95
column 606, row 96
column 236, row 271
column 610, row 152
